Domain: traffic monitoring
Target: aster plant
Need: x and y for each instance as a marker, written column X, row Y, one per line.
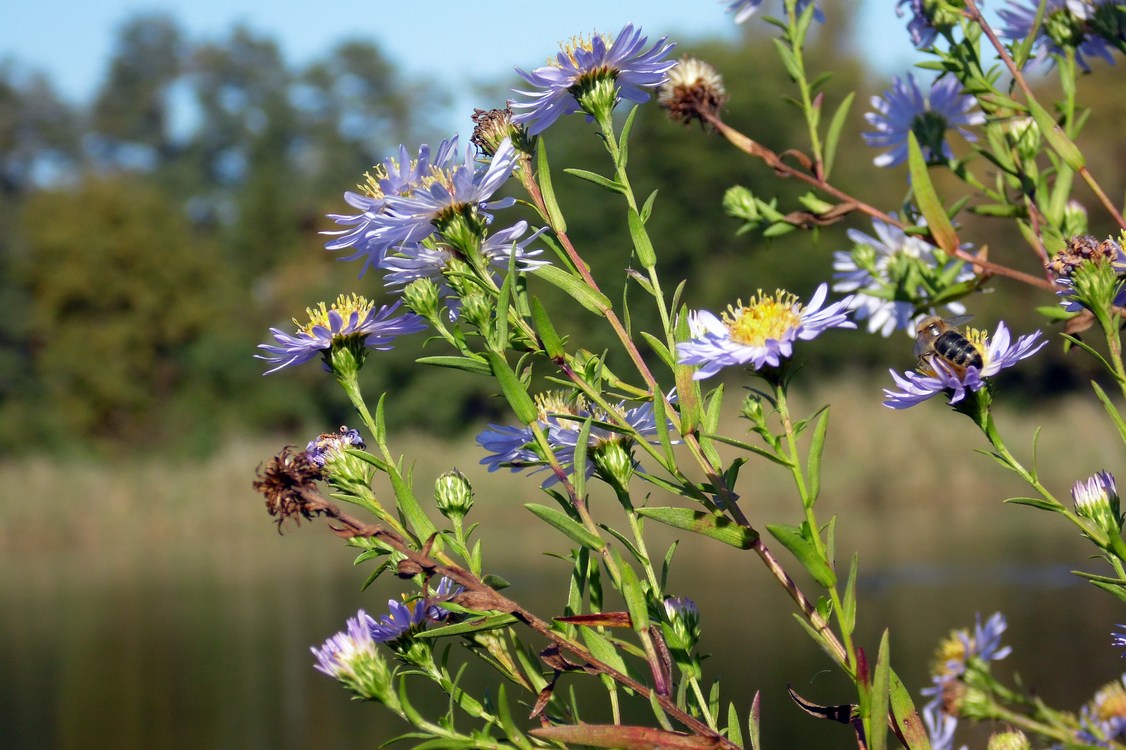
column 635, row 436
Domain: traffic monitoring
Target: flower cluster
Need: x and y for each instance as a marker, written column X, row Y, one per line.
column 937, row 375
column 893, row 275
column 904, row 109
column 760, row 333
column 1103, row 719
column 960, row 657
column 561, row 418
column 350, row 326
column 421, row 217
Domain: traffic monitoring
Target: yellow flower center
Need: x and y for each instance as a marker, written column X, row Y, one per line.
column 554, row 403
column 951, row 649
column 344, row 304
column 1110, row 702
column 578, row 42
column 765, row 317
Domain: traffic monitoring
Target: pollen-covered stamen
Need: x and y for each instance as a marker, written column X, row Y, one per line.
column 578, row 42
column 554, row 403
column 765, row 317
column 345, row 306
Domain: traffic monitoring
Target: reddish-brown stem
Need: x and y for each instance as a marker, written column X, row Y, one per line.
column 483, row 597
column 753, row 148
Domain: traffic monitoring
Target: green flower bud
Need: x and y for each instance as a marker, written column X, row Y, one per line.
column 421, row 296
column 453, row 494
column 613, row 460
column 1013, row 739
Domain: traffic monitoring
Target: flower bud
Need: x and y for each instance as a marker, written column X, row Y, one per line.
column 493, row 126
column 1022, row 134
column 1013, row 739
column 682, row 623
column 421, row 296
column 1096, row 499
column 453, row 494
column 613, row 460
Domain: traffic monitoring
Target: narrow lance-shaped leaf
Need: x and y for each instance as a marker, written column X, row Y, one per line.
column 543, row 176
column 937, row 220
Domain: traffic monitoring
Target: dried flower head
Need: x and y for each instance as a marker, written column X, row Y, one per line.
column 286, row 481
column 693, row 91
column 492, row 126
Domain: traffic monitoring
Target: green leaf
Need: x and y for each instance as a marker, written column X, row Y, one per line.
column 1111, row 410
column 847, row 615
column 815, row 450
column 543, row 176
column 596, row 302
column 717, row 527
column 734, row 730
column 467, row 364
column 754, row 721
column 603, row 650
column 569, row 526
column 408, row 506
column 659, row 347
column 788, row 59
column 832, row 136
column 907, row 721
column 878, row 706
column 641, row 242
column 500, row 328
column 597, row 179
column 582, row 444
column 662, row 420
column 474, row 625
column 623, row 138
column 1114, row 588
column 1035, row 502
column 633, row 594
column 793, row 539
column 937, row 220
column 552, row 344
column 513, row 390
column 1055, row 136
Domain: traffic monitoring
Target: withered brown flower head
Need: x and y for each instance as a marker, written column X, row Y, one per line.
column 1082, row 249
column 288, row 481
column 694, row 88
column 492, row 126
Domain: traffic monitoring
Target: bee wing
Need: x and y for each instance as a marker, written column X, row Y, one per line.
column 959, row 320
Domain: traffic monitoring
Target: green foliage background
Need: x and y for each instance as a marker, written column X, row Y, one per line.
column 149, row 237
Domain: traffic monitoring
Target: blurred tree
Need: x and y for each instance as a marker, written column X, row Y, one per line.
column 130, row 118
column 120, row 290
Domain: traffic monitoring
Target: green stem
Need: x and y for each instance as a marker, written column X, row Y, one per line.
column 794, row 461
column 808, row 110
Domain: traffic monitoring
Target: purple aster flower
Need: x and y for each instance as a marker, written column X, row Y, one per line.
column 940, row 726
column 1103, row 719
column 760, row 333
column 936, row 375
column 1118, row 638
column 333, row 443
column 508, row 446
column 498, row 249
column 744, row 9
column 921, row 26
column 562, row 418
column 350, row 320
column 390, row 177
column 1083, row 254
column 341, row 654
column 402, row 620
column 584, row 63
column 879, row 271
column 1066, row 24
column 904, row 109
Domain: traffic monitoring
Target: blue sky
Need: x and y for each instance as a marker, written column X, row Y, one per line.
column 457, row 43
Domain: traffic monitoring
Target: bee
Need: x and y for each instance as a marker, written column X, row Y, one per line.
column 939, row 338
